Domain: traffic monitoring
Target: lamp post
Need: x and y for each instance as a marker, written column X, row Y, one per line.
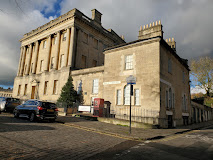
column 130, row 81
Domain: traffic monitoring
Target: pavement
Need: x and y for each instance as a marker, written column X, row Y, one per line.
column 123, row 131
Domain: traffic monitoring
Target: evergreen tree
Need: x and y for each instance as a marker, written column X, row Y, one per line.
column 68, row 94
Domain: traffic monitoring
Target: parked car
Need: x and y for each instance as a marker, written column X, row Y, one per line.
column 37, row 110
column 8, row 104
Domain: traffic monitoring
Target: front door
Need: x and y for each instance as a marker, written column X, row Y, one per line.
column 170, row 121
column 33, row 92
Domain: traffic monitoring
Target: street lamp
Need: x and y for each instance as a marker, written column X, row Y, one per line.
column 130, row 81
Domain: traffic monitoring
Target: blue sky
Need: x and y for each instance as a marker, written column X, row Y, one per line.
column 189, row 22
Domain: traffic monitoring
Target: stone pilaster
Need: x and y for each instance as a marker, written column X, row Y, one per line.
column 57, row 50
column 71, row 58
column 67, row 48
column 35, row 57
column 46, row 68
column 23, row 61
column 20, row 59
column 29, row 58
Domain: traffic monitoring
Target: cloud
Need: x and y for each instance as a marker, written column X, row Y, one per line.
column 189, row 22
column 14, row 23
column 197, row 89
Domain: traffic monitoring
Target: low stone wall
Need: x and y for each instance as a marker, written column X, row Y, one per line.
column 126, row 123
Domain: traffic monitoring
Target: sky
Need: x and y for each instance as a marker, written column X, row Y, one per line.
column 190, row 22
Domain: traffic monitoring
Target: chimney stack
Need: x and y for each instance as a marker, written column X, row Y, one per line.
column 154, row 29
column 171, row 43
column 96, row 16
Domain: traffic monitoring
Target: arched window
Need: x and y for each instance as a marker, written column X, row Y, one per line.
column 127, row 95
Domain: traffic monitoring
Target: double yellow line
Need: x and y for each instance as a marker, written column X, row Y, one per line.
column 101, row 132
column 125, row 137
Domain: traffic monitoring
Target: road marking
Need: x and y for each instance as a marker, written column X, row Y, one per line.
column 101, row 132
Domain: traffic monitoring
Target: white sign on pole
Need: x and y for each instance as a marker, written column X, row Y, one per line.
column 131, row 80
column 84, row 108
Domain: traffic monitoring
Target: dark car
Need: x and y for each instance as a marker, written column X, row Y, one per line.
column 37, row 110
column 8, row 104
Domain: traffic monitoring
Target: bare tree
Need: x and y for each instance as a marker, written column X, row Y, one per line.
column 202, row 72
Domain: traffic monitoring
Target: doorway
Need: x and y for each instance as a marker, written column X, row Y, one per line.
column 33, row 92
column 170, row 121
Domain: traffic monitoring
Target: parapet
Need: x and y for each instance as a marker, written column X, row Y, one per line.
column 153, row 29
column 171, row 43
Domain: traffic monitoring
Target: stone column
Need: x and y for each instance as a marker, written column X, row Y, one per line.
column 20, row 59
column 29, row 58
column 71, row 58
column 35, row 57
column 23, row 61
column 48, row 53
column 55, row 66
column 67, row 47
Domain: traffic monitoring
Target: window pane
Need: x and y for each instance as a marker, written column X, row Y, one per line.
column 137, row 97
column 128, row 62
column 118, row 97
column 127, row 95
column 95, row 86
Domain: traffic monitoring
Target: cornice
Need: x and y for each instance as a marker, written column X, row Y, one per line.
column 131, row 44
column 67, row 16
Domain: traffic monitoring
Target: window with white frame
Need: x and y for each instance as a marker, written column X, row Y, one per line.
column 31, row 68
column 129, row 62
column 95, row 86
column 62, row 60
column 41, row 65
column 170, row 98
column 173, row 101
column 44, row 44
column 184, row 102
column 137, row 101
column 55, row 40
column 169, row 65
column 167, row 97
column 52, row 62
column 65, row 36
column 127, row 95
column 118, row 97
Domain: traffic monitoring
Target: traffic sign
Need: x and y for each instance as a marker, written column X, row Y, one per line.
column 131, row 80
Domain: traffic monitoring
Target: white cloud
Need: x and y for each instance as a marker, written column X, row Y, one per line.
column 197, row 89
column 13, row 25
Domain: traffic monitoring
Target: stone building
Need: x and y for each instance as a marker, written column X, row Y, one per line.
column 6, row 92
column 162, row 90
column 48, row 54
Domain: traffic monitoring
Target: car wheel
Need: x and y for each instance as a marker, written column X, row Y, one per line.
column 32, row 117
column 16, row 114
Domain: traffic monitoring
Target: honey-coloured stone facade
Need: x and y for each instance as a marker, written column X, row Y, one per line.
column 99, row 62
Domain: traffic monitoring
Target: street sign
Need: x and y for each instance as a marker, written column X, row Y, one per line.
column 131, row 80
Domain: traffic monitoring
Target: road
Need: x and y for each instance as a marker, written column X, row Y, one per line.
column 21, row 139
column 195, row 145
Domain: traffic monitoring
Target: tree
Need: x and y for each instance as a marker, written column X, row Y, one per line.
column 68, row 94
column 202, row 72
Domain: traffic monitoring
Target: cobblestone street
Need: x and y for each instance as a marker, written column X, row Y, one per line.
column 21, row 139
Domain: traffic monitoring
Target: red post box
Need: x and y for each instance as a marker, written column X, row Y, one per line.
column 98, row 107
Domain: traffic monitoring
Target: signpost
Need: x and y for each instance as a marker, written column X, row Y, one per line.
column 130, row 81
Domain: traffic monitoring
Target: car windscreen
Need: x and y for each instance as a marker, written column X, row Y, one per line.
column 48, row 105
column 15, row 100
